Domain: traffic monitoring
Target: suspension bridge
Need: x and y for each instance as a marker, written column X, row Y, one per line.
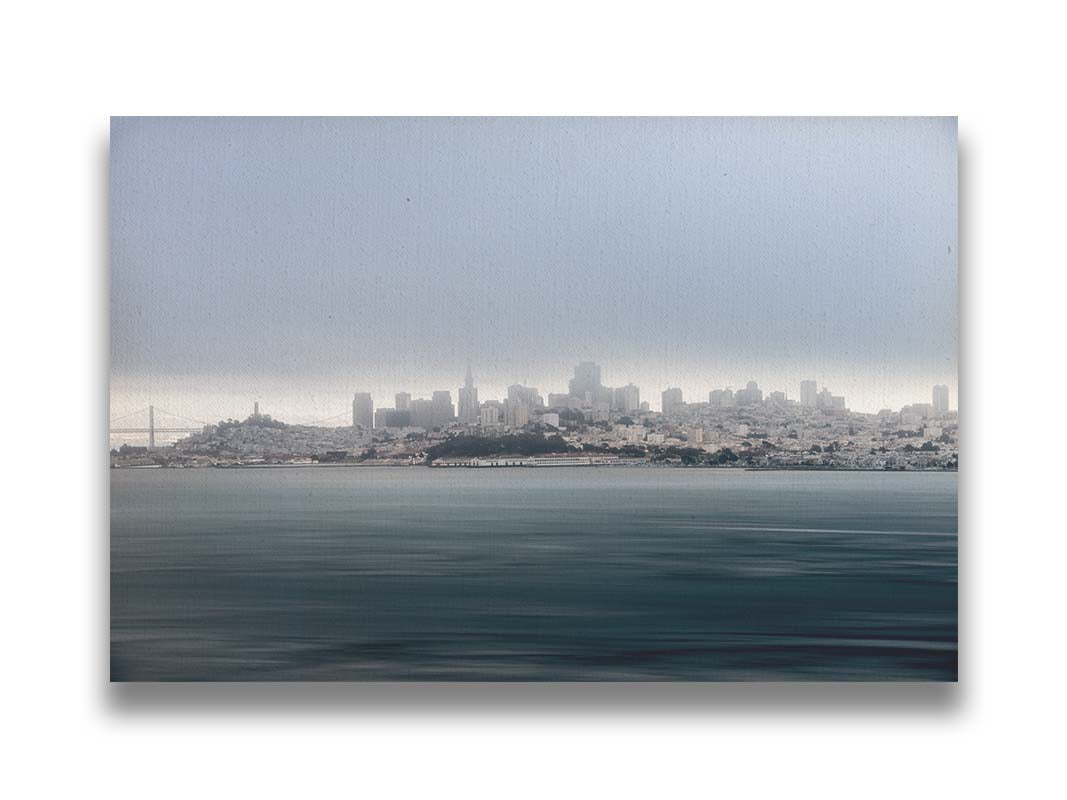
column 171, row 423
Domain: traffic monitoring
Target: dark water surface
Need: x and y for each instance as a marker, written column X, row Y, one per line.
column 532, row 574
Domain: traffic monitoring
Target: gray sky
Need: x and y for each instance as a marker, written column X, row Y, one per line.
column 296, row 261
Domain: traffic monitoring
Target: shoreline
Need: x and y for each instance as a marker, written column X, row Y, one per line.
column 538, row 467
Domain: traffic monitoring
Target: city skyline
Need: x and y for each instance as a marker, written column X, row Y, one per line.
column 298, row 260
column 807, row 392
column 816, row 431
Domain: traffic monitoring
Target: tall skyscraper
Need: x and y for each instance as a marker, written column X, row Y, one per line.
column 403, row 401
column 444, row 413
column 809, row 393
column 363, row 411
column 941, row 398
column 627, row 398
column 516, row 413
column 525, row 394
column 586, row 385
column 586, row 378
column 421, row 412
column 670, row 400
column 468, row 400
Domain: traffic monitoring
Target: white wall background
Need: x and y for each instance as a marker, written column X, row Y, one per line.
column 68, row 66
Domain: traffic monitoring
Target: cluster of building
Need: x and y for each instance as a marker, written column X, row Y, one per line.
column 513, row 412
column 586, row 394
column 743, row 427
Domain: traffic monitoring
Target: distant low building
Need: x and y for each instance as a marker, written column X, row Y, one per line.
column 564, row 401
column 751, row 395
column 721, row 398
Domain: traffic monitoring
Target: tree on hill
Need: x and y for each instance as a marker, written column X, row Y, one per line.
column 521, row 444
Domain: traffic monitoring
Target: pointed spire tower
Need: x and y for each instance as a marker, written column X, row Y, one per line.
column 468, row 399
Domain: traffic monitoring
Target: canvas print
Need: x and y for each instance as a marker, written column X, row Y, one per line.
column 533, row 399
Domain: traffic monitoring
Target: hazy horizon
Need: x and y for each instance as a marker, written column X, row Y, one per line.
column 297, row 261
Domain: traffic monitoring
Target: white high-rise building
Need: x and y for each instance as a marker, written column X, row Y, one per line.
column 671, row 399
column 809, row 393
column 627, row 398
column 941, row 399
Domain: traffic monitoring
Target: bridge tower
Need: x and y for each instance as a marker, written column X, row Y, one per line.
column 151, row 427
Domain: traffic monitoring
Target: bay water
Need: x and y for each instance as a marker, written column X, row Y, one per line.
column 580, row 573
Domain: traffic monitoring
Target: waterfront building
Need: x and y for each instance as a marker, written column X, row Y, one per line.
column 362, row 411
